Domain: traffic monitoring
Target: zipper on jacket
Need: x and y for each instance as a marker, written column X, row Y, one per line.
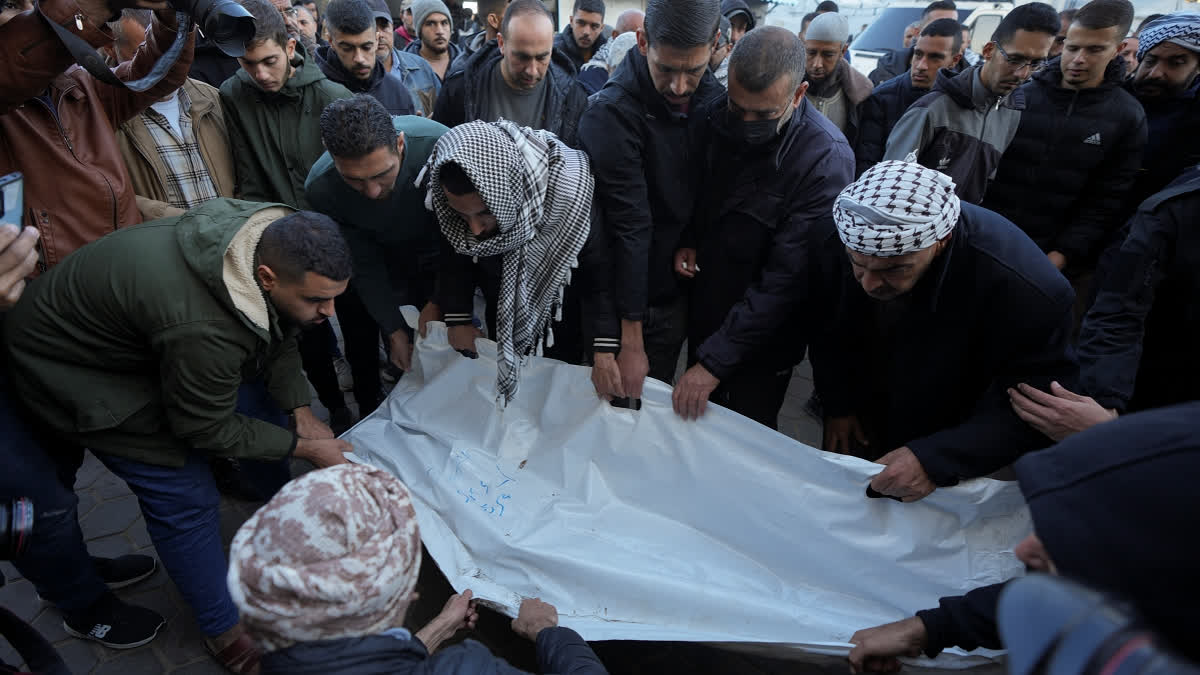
column 61, row 131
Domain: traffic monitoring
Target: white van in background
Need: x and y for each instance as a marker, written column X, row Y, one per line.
column 886, row 32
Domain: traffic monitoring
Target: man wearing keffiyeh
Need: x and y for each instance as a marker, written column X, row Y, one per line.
column 935, row 309
column 515, row 206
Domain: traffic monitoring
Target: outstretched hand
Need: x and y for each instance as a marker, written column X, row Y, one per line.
column 1058, row 414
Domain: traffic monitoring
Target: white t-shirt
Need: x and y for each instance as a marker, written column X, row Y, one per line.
column 170, row 110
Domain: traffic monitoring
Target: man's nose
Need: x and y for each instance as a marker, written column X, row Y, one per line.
column 871, row 281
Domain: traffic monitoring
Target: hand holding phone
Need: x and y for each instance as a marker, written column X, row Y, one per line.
column 18, row 244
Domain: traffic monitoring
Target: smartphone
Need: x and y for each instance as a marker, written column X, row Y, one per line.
column 12, row 199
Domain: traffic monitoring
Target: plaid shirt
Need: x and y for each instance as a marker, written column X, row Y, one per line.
column 188, row 182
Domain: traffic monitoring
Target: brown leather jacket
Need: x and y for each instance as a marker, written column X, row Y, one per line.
column 146, row 168
column 59, row 128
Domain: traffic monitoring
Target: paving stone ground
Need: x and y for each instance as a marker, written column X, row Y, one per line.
column 112, row 525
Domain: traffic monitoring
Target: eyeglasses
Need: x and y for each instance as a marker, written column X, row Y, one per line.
column 1020, row 62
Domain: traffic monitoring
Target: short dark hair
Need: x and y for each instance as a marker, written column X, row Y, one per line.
column 945, row 28
column 1035, row 17
column 490, row 7
column 357, row 126
column 349, row 17
column 683, row 24
column 593, row 6
column 305, row 241
column 1067, row 15
column 808, row 19
column 454, row 179
column 268, row 23
column 827, row 6
column 765, row 54
column 1101, row 14
column 939, row 4
column 524, row 8
column 1136, row 32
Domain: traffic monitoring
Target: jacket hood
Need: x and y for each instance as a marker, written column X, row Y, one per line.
column 729, row 7
column 220, row 239
column 306, row 73
column 372, row 654
column 1114, row 73
column 333, row 69
column 1110, row 505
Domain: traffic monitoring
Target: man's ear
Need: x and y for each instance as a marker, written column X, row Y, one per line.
column 954, row 61
column 494, row 20
column 988, row 50
column 266, row 277
column 643, row 44
column 400, row 143
column 796, row 97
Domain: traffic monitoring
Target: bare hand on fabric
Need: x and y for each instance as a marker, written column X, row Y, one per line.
column 323, row 453
column 400, row 349
column 1057, row 259
column 904, row 477
column 1058, row 414
column 430, row 312
column 685, row 263
column 462, row 338
column 606, row 376
column 18, row 258
column 308, row 426
column 533, row 617
column 691, row 393
column 841, row 433
column 459, row 613
column 875, row 649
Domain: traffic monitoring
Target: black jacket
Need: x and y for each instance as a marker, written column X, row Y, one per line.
column 1172, row 144
column 1066, row 174
column 1137, row 349
column 589, row 319
column 759, row 209
column 991, row 312
column 465, row 90
column 646, row 179
column 565, row 43
column 382, row 85
column 210, row 65
column 878, row 114
column 891, row 64
column 559, row 650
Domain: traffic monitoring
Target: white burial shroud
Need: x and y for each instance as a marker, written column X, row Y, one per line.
column 643, row 526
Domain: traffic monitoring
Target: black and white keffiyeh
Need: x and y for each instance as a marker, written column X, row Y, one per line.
column 540, row 191
column 896, row 208
column 1181, row 28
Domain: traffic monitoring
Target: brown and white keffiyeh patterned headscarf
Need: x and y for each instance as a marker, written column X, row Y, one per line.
column 540, row 191
column 334, row 554
column 896, row 208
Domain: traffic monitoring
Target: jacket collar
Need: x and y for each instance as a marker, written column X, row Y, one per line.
column 635, row 79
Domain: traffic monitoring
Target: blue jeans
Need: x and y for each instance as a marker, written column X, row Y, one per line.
column 55, row 559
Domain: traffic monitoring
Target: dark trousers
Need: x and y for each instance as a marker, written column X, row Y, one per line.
column 664, row 329
column 361, row 338
column 756, row 394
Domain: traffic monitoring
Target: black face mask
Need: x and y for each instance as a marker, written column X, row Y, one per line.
column 758, row 132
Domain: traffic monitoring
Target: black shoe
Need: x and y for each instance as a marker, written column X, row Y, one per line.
column 341, row 420
column 125, row 570
column 114, row 624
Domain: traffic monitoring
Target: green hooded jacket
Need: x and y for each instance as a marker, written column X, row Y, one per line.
column 136, row 344
column 276, row 137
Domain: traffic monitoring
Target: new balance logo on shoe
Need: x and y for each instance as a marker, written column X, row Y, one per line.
column 99, row 631
column 1094, row 139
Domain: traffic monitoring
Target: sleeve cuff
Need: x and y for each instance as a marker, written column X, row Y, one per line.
column 457, row 318
column 606, row 345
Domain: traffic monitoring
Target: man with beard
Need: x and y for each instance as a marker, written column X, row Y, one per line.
column 137, row 346
column 963, row 127
column 949, row 299
column 834, row 88
column 432, row 21
column 1166, row 83
column 422, row 83
column 896, row 62
column 638, row 131
column 584, row 34
column 749, row 307
column 351, row 60
column 935, row 48
column 520, row 77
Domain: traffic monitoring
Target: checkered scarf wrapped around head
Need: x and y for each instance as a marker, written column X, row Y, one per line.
column 896, row 208
column 334, row 554
column 1181, row 28
column 540, row 191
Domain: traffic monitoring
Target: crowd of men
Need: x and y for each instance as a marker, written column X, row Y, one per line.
column 981, row 256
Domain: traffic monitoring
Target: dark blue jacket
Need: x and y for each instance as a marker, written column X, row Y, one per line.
column 1137, row 349
column 383, row 85
column 565, row 44
column 878, row 114
column 1066, row 174
column 1172, row 145
column 891, row 64
column 991, row 312
column 559, row 650
column 647, row 179
column 758, row 222
column 1103, row 503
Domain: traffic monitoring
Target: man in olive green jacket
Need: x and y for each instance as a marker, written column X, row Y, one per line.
column 137, row 346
